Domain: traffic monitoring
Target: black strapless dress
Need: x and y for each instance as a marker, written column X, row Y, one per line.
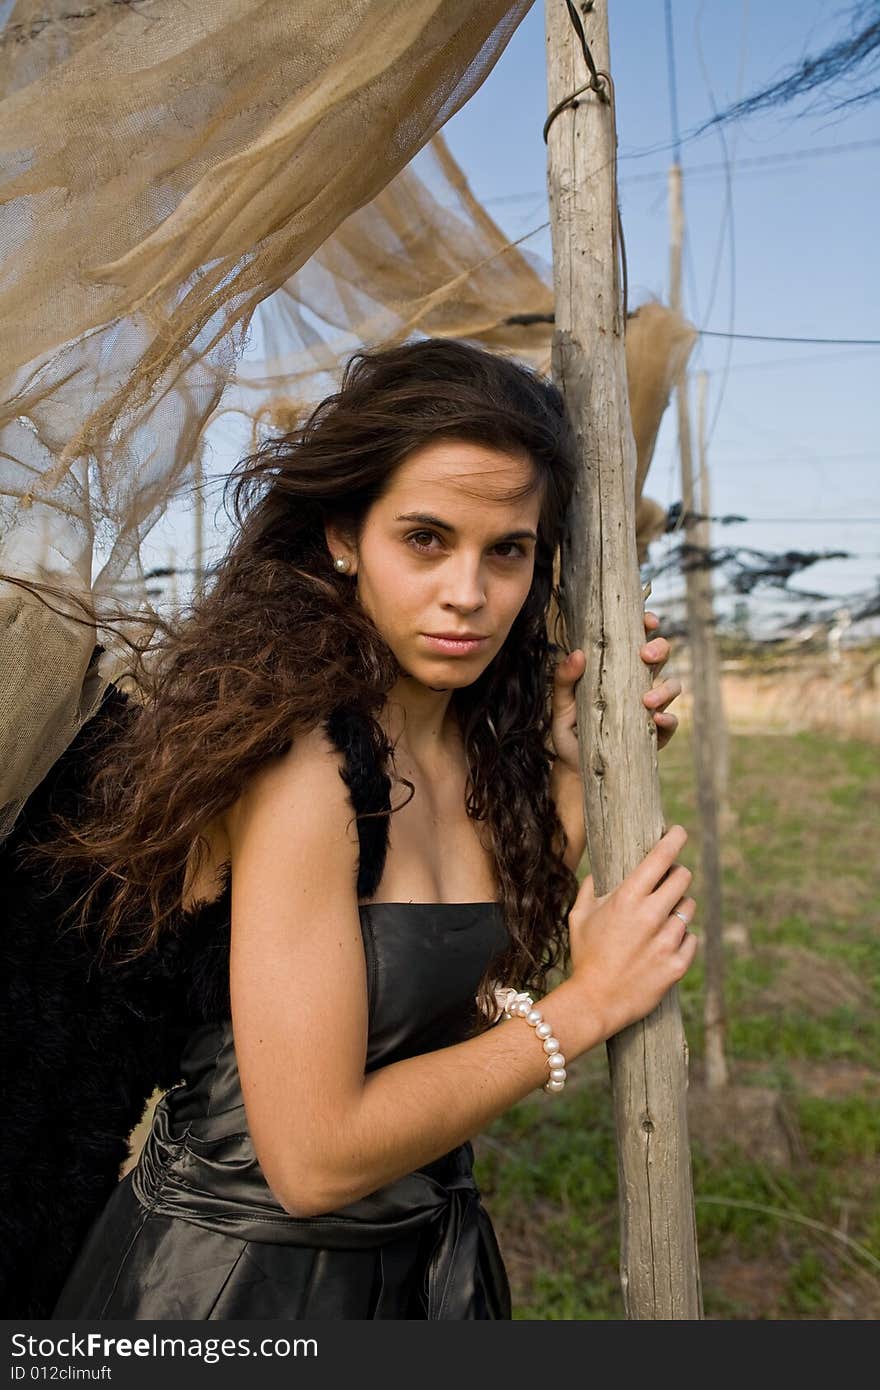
column 194, row 1231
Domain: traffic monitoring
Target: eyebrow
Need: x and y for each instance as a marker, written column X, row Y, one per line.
column 427, row 520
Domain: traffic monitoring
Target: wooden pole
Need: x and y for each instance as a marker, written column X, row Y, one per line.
column 602, row 604
column 199, row 521
column 173, row 587
column 705, row 729
column 721, row 760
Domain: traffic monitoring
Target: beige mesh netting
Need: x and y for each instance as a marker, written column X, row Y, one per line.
column 208, row 195
column 425, row 256
column 165, row 167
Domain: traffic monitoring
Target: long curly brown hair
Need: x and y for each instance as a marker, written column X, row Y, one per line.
column 275, row 644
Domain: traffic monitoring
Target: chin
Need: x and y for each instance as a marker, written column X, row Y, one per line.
column 440, row 672
column 458, row 680
column 432, row 680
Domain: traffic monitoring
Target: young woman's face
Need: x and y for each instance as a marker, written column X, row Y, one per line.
column 443, row 555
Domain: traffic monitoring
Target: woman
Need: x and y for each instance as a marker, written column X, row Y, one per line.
column 380, row 621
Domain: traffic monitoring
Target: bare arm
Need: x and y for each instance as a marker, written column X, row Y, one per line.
column 567, row 790
column 566, row 785
column 324, row 1132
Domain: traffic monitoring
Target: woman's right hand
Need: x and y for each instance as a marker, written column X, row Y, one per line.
column 627, row 947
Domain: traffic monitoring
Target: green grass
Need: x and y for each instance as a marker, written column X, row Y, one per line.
column 796, row 1240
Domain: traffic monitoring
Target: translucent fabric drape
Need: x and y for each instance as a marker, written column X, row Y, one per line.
column 164, row 169
column 207, row 209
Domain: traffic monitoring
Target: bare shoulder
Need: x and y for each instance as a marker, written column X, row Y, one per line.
column 306, row 780
column 304, row 783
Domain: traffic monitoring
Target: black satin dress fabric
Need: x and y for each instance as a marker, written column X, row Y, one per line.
column 194, row 1231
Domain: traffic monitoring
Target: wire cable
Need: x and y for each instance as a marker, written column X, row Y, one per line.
column 777, row 338
column 727, row 229
column 750, row 164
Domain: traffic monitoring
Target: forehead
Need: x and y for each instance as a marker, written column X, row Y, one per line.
column 466, row 479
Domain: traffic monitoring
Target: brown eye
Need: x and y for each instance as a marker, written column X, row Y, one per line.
column 515, row 551
column 411, row 539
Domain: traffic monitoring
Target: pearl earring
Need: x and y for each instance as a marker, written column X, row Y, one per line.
column 342, row 563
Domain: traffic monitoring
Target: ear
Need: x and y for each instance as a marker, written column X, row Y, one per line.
column 339, row 542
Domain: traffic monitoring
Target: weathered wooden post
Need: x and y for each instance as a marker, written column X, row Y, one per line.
column 602, row 604
column 706, row 701
column 199, row 521
column 721, row 750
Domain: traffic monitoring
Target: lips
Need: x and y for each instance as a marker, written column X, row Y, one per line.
column 454, row 645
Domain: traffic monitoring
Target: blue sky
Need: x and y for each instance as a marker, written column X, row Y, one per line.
column 795, row 427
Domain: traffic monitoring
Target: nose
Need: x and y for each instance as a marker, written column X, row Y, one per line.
column 464, row 584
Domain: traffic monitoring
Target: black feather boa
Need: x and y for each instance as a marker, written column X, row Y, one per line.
column 82, row 1048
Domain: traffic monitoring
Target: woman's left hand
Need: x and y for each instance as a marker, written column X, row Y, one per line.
column 654, row 653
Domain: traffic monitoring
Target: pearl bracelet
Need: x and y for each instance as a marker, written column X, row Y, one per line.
column 521, row 1005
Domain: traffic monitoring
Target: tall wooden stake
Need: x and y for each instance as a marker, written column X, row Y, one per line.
column 173, row 587
column 199, row 520
column 721, row 757
column 602, row 604
column 706, row 732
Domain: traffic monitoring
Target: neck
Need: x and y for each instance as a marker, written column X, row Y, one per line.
column 419, row 719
